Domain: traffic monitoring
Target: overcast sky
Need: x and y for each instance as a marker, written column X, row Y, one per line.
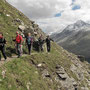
column 54, row 15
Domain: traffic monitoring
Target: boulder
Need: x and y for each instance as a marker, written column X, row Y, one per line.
column 7, row 15
column 31, row 28
column 84, row 88
column 3, row 73
column 21, row 28
column 45, row 74
column 17, row 20
column 63, row 76
column 32, row 22
column 60, row 70
column 39, row 65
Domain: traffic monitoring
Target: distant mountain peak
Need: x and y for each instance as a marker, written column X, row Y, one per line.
column 80, row 23
column 77, row 26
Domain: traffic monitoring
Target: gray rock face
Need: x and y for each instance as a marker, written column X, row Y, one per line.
column 64, row 79
column 75, row 38
column 22, row 28
column 45, row 74
column 78, row 70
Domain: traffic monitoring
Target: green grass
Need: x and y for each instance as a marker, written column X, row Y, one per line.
column 20, row 72
column 23, row 71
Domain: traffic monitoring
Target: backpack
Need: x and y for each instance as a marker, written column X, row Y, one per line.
column 1, row 42
column 29, row 40
column 19, row 39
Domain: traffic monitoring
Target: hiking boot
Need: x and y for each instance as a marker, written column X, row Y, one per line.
column 18, row 57
column 5, row 59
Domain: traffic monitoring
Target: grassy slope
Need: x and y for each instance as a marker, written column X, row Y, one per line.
column 21, row 71
column 9, row 26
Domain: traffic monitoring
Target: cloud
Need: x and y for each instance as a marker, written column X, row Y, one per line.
column 48, row 13
column 39, row 8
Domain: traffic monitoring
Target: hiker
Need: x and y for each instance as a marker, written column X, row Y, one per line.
column 2, row 45
column 48, row 43
column 41, row 42
column 35, row 42
column 29, row 41
column 18, row 43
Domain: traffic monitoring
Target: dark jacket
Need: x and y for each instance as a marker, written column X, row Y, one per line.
column 29, row 40
column 40, row 41
column 48, row 41
column 2, row 42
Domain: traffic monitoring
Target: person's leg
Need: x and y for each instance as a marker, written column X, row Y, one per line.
column 21, row 49
column 3, row 53
column 38, row 47
column 0, row 55
column 41, row 47
column 49, row 48
column 18, row 50
column 29, row 49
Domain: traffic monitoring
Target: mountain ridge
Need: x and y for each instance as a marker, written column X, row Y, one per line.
column 57, row 70
column 75, row 38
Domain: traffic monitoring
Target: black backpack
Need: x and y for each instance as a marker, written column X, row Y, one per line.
column 2, row 42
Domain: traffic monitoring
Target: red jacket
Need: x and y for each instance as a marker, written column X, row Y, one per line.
column 19, row 39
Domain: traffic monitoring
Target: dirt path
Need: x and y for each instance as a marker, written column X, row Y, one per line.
column 11, row 58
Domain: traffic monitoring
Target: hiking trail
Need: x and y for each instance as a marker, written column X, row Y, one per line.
column 2, row 62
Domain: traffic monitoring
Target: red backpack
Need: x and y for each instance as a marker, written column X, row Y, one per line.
column 19, row 39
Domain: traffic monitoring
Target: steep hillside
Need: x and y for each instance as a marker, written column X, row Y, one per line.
column 58, row 70
column 11, row 19
column 75, row 38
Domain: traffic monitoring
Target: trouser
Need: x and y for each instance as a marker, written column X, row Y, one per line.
column 21, row 49
column 29, row 48
column 41, row 47
column 48, row 47
column 2, row 49
column 18, row 48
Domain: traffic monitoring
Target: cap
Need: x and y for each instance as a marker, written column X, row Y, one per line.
column 17, row 32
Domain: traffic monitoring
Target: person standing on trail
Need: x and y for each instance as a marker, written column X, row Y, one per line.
column 41, row 42
column 48, row 43
column 35, row 42
column 29, row 41
column 18, row 42
column 2, row 45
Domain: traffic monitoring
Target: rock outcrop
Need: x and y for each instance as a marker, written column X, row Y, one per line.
column 57, row 70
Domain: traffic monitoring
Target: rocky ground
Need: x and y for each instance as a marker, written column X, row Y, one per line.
column 57, row 70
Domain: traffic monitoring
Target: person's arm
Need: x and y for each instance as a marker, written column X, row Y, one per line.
column 26, row 41
column 32, row 40
column 52, row 40
column 46, row 40
column 5, row 42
